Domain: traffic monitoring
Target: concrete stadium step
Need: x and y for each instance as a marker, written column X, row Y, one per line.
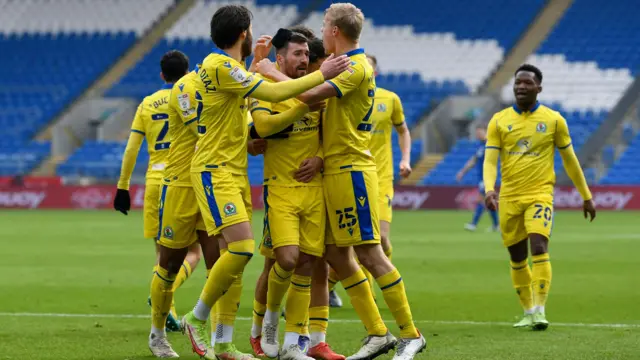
column 422, row 168
column 537, row 32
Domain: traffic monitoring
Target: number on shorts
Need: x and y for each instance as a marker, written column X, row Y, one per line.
column 539, row 213
column 346, row 218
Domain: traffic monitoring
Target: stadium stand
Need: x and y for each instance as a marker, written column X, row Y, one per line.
column 586, row 71
column 76, row 50
column 458, row 53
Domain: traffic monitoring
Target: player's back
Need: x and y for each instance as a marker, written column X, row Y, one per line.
column 224, row 85
column 152, row 119
column 284, row 155
column 527, row 143
column 387, row 112
column 184, row 109
column 347, row 125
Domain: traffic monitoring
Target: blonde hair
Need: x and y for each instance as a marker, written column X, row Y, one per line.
column 348, row 18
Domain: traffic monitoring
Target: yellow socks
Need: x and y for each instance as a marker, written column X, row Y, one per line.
column 279, row 280
column 258, row 316
column 333, row 279
column 183, row 275
column 161, row 298
column 227, row 309
column 541, row 279
column 318, row 323
column 521, row 278
column 395, row 296
column 388, row 252
column 230, row 265
column 298, row 300
column 362, row 300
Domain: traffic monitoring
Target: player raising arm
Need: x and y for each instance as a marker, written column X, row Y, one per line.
column 525, row 137
column 219, row 165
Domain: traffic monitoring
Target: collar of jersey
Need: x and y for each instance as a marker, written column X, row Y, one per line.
column 219, row 51
column 535, row 107
column 354, row 52
column 166, row 87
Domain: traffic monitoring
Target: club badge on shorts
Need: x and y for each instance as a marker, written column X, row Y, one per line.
column 229, row 209
column 167, row 232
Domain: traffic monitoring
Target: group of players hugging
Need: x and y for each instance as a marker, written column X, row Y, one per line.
column 324, row 130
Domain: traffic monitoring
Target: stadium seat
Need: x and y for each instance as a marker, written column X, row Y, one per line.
column 77, row 41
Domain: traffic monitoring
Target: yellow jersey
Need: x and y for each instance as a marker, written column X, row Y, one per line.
column 152, row 121
column 284, row 155
column 527, row 143
column 185, row 106
column 346, row 131
column 387, row 112
column 224, row 85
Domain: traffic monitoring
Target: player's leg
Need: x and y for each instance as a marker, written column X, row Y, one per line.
column 224, row 211
column 538, row 223
column 319, row 314
column 477, row 214
column 385, row 208
column 372, row 256
column 334, row 298
column 176, row 232
column 260, row 301
column 514, row 237
column 188, row 265
column 385, row 238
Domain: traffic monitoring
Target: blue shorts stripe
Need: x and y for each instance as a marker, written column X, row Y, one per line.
column 163, row 194
column 363, row 208
column 211, row 199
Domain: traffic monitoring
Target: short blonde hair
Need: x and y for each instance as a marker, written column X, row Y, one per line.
column 348, row 18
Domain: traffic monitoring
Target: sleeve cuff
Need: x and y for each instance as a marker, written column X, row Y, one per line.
column 335, row 87
column 253, row 89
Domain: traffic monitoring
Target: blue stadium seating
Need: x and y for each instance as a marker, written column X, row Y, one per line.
column 607, row 33
column 626, row 170
column 101, row 160
column 19, row 158
column 34, row 89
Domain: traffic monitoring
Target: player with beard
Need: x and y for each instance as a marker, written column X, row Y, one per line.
column 525, row 136
column 294, row 206
column 219, row 165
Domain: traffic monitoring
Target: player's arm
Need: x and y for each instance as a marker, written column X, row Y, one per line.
column 467, row 166
column 131, row 151
column 491, row 154
column 187, row 102
column 265, row 123
column 570, row 160
column 404, row 136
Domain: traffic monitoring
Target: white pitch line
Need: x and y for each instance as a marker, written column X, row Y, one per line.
column 241, row 318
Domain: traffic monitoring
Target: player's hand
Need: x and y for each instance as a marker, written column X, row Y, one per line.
column 263, row 47
column 491, row 200
column 405, row 169
column 122, row 201
column 265, row 67
column 257, row 147
column 317, row 106
column 334, row 66
column 589, row 207
column 308, row 169
column 459, row 176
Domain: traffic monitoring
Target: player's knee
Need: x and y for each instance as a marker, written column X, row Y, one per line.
column 539, row 244
column 305, row 264
column 320, row 273
column 373, row 259
column 287, row 257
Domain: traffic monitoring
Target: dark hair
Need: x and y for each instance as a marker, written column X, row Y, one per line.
column 304, row 30
column 375, row 59
column 284, row 37
column 316, row 50
column 228, row 23
column 174, row 65
column 531, row 68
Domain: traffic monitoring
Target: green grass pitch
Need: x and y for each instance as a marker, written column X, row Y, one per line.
column 74, row 285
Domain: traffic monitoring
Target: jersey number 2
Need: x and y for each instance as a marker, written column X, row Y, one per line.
column 160, row 145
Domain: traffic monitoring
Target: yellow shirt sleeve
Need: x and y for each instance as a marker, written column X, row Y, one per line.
column 346, row 82
column 266, row 123
column 492, row 152
column 131, row 151
column 188, row 104
column 237, row 80
column 570, row 160
column 397, row 116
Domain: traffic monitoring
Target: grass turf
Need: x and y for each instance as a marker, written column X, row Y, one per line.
column 458, row 283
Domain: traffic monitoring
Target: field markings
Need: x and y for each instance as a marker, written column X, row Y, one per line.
column 442, row 322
